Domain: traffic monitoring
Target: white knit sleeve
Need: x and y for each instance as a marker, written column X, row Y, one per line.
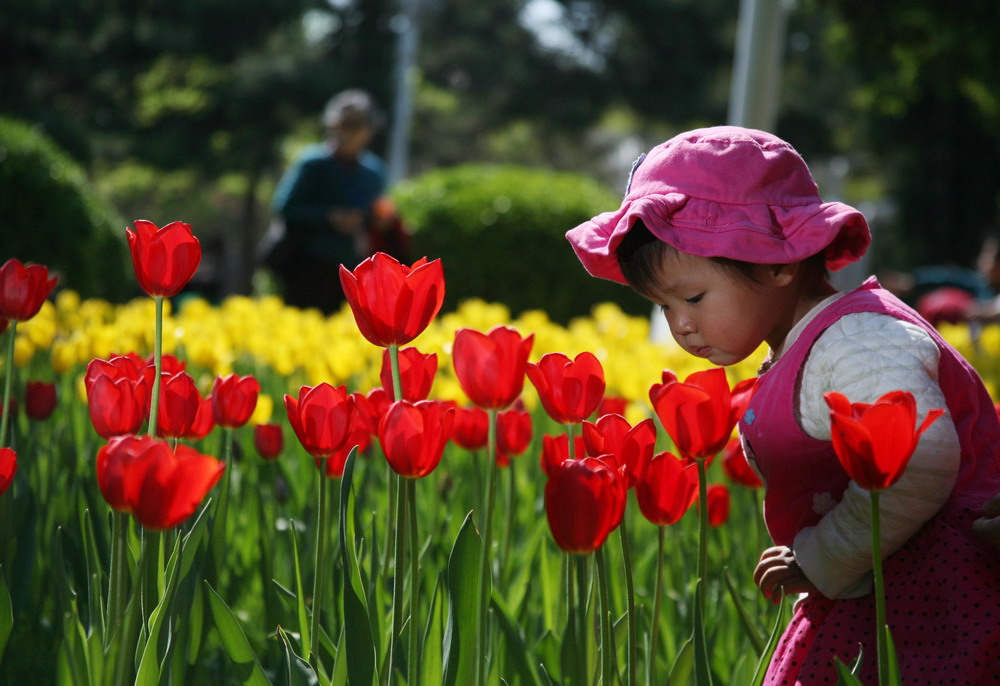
column 864, row 356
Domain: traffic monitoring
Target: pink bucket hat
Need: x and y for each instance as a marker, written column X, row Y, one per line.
column 725, row 191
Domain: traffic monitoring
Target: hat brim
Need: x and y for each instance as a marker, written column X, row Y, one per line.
column 763, row 234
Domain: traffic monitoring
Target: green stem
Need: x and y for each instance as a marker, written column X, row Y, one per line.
column 508, row 529
column 702, row 531
column 607, row 640
column 8, row 383
column 154, row 398
column 397, row 578
column 657, row 593
column 581, row 615
column 632, row 645
column 320, row 566
column 485, row 567
column 393, row 478
column 413, row 668
column 119, row 560
column 880, row 617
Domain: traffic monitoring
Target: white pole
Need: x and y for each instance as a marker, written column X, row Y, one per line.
column 754, row 93
column 399, row 133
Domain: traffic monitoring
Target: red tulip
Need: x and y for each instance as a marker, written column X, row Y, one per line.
column 666, row 489
column 321, row 417
column 874, row 442
column 364, row 424
column 514, row 434
column 178, row 406
column 416, row 372
column 203, row 423
column 23, row 289
column 736, row 467
column 393, row 303
column 570, row 390
column 159, row 486
column 268, row 440
column 378, row 404
column 39, row 400
column 630, row 446
column 471, row 427
column 234, row 399
column 584, row 501
column 129, row 366
column 490, row 367
column 612, row 404
column 555, row 451
column 717, row 496
column 413, row 436
column 700, row 413
column 117, row 406
column 164, row 259
column 168, row 363
column 8, row 468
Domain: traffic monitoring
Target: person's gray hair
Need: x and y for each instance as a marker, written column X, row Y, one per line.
column 353, row 103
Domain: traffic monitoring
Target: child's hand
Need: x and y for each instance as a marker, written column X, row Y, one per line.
column 778, row 572
column 987, row 527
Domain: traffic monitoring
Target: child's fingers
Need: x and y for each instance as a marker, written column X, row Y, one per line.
column 992, row 506
column 987, row 530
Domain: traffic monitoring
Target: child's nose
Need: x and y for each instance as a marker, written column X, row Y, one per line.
column 683, row 325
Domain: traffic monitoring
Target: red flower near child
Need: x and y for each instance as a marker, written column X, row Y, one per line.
column 584, row 502
column 164, row 259
column 39, row 400
column 874, row 442
column 570, row 390
column 178, row 406
column 700, row 413
column 23, row 289
column 667, row 488
column 413, row 436
column 491, row 367
column 393, row 303
column 717, row 496
column 736, row 466
column 268, row 440
column 234, row 398
column 631, row 447
column 321, row 417
column 8, row 468
column 160, row 487
column 416, row 373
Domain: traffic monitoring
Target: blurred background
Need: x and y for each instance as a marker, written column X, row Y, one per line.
column 508, row 122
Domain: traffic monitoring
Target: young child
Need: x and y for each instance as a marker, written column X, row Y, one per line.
column 724, row 229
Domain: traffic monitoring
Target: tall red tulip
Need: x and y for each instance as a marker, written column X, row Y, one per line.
column 491, row 367
column 874, row 442
column 164, row 259
column 667, row 488
column 736, row 466
column 514, row 434
column 178, row 406
column 23, row 289
column 268, row 440
column 630, row 446
column 321, row 417
column 700, row 413
column 393, row 303
column 129, row 366
column 159, row 486
column 39, row 400
column 8, row 468
column 413, row 436
column 555, row 451
column 117, row 406
column 234, row 399
column 471, row 429
column 570, row 390
column 416, row 371
column 364, row 425
column 718, row 504
column 584, row 501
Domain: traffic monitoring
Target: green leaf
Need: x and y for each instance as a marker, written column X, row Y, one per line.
column 431, row 665
column 300, row 597
column 6, row 614
column 847, row 677
column 893, row 661
column 248, row 668
column 702, row 672
column 149, row 663
column 463, row 598
column 519, row 656
column 95, row 577
column 680, row 672
column 748, row 625
column 295, row 671
column 359, row 643
column 772, row 644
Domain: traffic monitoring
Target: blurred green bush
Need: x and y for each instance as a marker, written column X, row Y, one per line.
column 49, row 214
column 500, row 232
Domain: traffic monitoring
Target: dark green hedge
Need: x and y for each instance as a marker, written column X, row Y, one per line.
column 50, row 215
column 500, row 232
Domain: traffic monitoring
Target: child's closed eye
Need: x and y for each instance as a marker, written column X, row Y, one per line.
column 694, row 300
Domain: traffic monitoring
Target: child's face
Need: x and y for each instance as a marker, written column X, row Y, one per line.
column 719, row 316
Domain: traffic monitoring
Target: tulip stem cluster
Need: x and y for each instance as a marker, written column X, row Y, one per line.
column 322, row 521
column 703, row 675
column 880, row 617
column 154, row 398
column 8, row 381
column 413, row 671
column 608, row 670
column 485, row 578
column 633, row 658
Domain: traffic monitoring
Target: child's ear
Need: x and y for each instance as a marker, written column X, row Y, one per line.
column 781, row 274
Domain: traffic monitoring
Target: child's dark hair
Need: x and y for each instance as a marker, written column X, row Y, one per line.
column 640, row 256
